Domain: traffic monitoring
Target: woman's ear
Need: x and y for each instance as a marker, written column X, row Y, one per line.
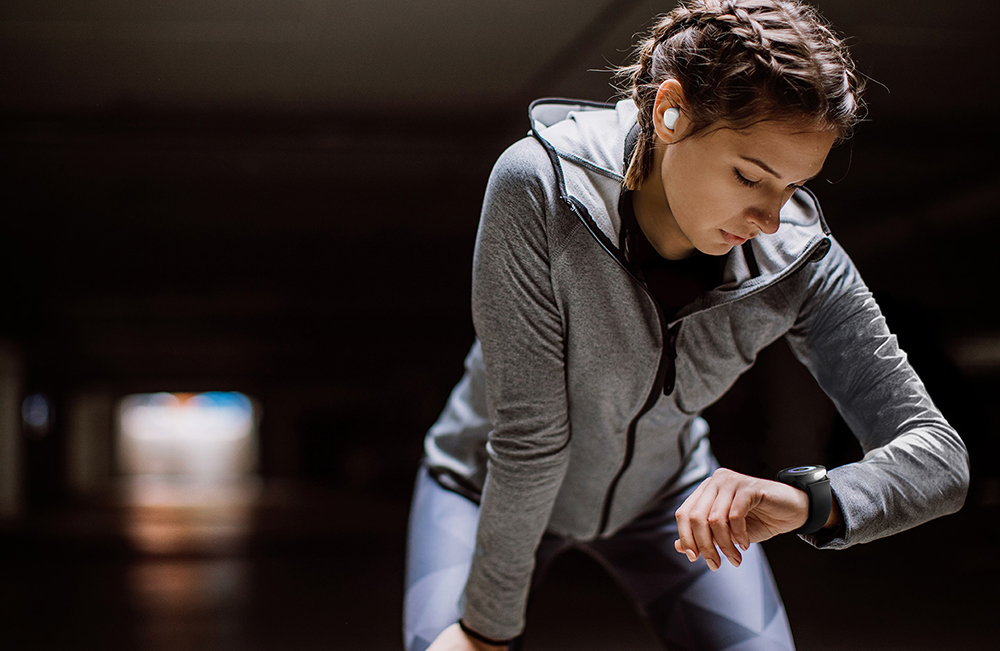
column 668, row 111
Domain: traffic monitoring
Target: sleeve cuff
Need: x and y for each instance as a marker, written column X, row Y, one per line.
column 482, row 638
column 835, row 538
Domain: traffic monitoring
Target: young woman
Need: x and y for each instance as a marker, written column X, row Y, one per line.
column 631, row 262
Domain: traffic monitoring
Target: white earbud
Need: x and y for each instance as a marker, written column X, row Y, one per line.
column 670, row 117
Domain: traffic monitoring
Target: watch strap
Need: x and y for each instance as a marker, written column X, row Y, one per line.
column 820, row 502
column 815, row 482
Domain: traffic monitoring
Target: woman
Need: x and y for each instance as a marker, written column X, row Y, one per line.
column 631, row 262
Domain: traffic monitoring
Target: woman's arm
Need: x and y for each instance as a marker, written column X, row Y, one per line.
column 520, row 327
column 730, row 510
column 916, row 466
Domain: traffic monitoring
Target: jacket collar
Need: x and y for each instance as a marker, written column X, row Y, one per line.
column 589, row 138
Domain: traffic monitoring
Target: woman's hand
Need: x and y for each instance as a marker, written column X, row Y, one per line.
column 454, row 638
column 730, row 509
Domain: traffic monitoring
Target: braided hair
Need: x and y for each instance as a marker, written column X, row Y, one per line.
column 741, row 62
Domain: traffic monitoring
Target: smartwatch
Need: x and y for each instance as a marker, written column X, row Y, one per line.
column 813, row 480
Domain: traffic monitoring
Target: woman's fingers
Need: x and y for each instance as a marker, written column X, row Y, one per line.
column 686, row 543
column 692, row 556
column 697, row 522
column 719, row 522
column 702, row 528
column 715, row 515
column 743, row 502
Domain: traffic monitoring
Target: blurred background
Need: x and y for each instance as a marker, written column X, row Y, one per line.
column 235, row 245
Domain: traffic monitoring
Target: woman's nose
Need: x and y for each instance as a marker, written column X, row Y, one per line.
column 765, row 219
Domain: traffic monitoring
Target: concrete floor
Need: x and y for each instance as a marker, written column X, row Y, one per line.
column 293, row 567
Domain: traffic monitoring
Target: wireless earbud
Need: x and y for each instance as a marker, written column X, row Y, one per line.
column 670, row 117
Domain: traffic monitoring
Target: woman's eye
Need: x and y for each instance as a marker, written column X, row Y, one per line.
column 744, row 181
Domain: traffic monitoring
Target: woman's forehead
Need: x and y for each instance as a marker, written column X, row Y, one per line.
column 784, row 148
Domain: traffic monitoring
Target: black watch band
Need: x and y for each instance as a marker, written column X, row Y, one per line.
column 813, row 480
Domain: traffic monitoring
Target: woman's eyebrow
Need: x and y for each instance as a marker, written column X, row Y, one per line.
column 761, row 164
column 767, row 168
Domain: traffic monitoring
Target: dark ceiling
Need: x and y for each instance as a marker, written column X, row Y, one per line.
column 265, row 191
column 445, row 57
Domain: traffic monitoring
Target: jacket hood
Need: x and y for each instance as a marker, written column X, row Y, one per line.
column 586, row 144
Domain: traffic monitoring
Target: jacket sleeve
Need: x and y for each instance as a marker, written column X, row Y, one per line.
column 520, row 327
column 915, row 466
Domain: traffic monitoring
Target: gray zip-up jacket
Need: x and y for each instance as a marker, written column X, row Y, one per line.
column 580, row 403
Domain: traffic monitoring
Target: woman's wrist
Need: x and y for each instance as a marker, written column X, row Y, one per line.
column 836, row 517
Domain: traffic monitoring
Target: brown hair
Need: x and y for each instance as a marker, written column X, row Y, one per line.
column 740, row 62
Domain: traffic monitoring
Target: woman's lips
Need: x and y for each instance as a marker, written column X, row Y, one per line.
column 732, row 240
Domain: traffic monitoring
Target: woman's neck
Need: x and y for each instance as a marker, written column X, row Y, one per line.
column 656, row 220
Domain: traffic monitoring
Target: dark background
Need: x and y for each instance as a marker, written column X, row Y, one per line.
column 281, row 198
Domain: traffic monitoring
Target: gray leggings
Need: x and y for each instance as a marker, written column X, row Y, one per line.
column 688, row 606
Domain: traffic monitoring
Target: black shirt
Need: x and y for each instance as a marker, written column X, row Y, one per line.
column 673, row 283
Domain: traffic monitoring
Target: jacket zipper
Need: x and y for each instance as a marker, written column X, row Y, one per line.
column 669, row 337
column 659, row 385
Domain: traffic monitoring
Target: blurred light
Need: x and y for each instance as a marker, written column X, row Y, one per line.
column 35, row 413
column 204, row 436
column 185, row 585
column 977, row 355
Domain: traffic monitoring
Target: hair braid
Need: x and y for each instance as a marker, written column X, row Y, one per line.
column 750, row 32
column 740, row 62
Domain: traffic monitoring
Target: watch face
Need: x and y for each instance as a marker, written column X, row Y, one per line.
column 802, row 475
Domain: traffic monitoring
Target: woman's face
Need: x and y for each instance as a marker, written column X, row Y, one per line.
column 718, row 189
